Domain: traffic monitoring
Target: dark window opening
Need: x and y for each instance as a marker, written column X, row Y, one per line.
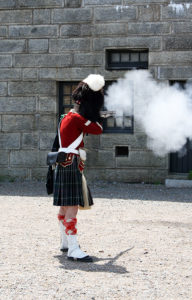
column 180, row 83
column 65, row 96
column 181, row 161
column 121, row 151
column 126, row 59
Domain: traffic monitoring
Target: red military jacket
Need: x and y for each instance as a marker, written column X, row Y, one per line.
column 72, row 125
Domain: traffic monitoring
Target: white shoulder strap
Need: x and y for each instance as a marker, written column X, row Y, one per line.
column 59, row 134
column 77, row 142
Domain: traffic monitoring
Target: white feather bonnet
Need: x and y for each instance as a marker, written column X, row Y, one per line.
column 95, row 82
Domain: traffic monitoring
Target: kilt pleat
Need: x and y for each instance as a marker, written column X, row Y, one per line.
column 68, row 185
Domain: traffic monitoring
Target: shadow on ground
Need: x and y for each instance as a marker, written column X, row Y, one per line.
column 127, row 191
column 108, row 267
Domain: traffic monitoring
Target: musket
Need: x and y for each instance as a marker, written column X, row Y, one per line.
column 106, row 114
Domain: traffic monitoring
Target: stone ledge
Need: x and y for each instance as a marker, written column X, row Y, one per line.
column 178, row 183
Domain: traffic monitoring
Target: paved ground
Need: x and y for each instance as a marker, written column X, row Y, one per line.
column 139, row 235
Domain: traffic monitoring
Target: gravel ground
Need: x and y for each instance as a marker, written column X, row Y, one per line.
column 138, row 235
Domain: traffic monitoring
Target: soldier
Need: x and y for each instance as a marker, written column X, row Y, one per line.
column 70, row 189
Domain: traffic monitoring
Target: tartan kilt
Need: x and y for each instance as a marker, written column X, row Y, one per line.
column 68, row 186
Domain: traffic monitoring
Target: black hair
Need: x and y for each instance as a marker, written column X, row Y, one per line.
column 90, row 102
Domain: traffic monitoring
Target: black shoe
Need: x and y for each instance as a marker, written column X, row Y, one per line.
column 84, row 259
column 64, row 250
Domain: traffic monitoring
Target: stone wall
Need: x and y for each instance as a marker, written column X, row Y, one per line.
column 46, row 41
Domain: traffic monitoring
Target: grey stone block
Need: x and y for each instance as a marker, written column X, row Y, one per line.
column 43, row 60
column 33, row 31
column 41, row 16
column 153, row 43
column 15, row 16
column 158, row 175
column 4, row 158
column 177, row 43
column 10, row 140
column 145, row 2
column 38, row 45
column 75, row 74
column 140, row 159
column 182, row 27
column 5, row 61
column 119, row 175
column 170, row 183
column 148, row 28
column 30, row 140
column 53, row 73
column 3, row 88
column 47, row 104
column 108, row 75
column 149, row 13
column 13, row 74
column 92, row 59
column 3, row 31
column 73, row 3
column 31, row 87
column 46, row 140
column 18, row 104
column 40, row 3
column 179, row 12
column 86, row 29
column 46, row 123
column 104, row 158
column 153, row 71
column 7, row 4
column 125, row 13
column 14, row 174
column 39, row 173
column 71, row 15
column 101, row 2
column 76, row 30
column 175, row 73
column 43, row 157
column 183, row 1
column 24, row 157
column 170, row 57
column 92, row 142
column 29, row 73
column 60, row 45
column 12, row 46
column 15, row 123
column 70, row 30
column 133, row 141
column 110, row 29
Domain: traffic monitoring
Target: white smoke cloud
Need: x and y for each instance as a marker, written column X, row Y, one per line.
column 164, row 112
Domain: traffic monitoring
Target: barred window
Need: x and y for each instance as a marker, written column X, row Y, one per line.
column 126, row 59
column 65, row 96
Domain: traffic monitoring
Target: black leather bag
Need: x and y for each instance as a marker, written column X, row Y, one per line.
column 55, row 157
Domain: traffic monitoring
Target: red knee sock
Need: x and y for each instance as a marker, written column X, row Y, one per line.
column 70, row 225
column 60, row 217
